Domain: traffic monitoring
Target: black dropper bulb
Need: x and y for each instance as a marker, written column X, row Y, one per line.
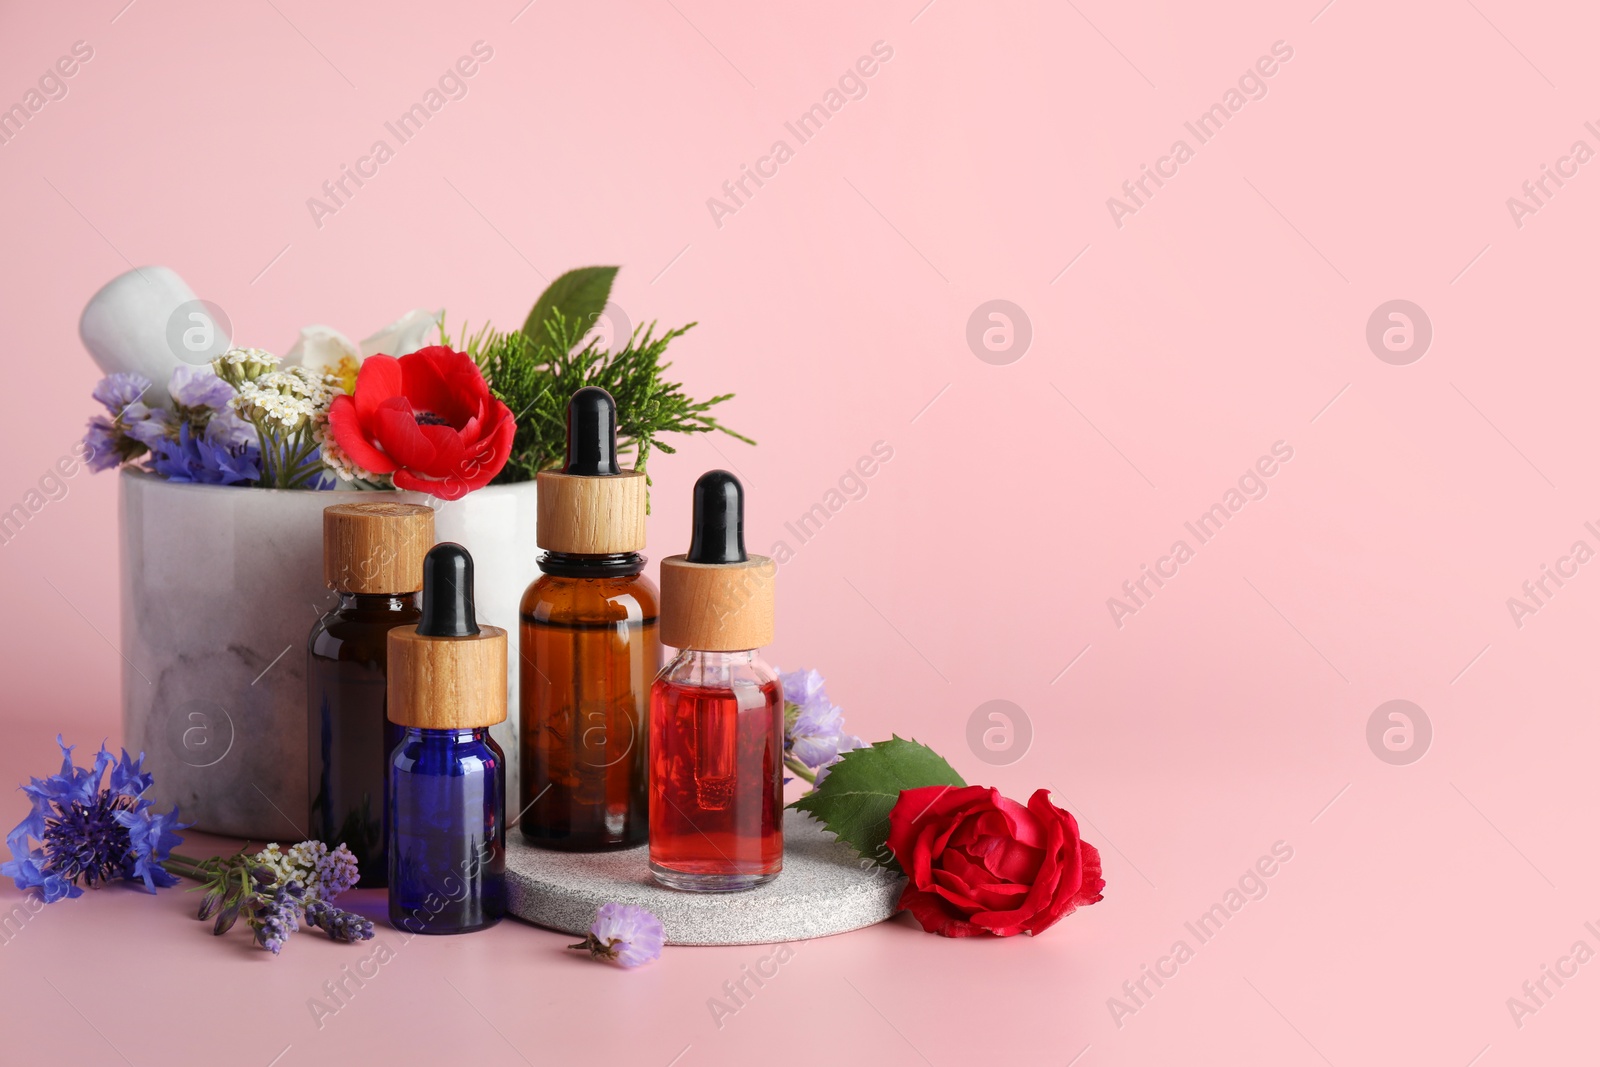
column 591, row 433
column 718, row 520
column 447, row 604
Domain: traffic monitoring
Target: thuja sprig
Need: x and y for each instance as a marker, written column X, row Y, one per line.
column 536, row 370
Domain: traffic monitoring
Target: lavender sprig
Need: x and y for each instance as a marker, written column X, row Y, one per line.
column 339, row 924
column 273, row 918
column 274, row 888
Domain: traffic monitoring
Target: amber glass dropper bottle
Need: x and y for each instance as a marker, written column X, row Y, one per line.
column 589, row 647
column 372, row 557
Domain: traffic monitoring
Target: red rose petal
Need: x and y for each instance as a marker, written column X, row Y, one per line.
column 962, row 866
column 935, row 916
column 1013, row 861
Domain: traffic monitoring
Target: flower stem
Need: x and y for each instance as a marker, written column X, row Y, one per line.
column 186, row 866
column 800, row 769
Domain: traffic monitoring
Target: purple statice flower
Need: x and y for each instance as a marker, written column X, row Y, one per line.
column 206, row 458
column 849, row 744
column 625, row 934
column 814, row 725
column 101, row 442
column 199, row 387
column 274, row 917
column 118, row 391
column 340, row 925
column 148, row 426
column 88, row 833
column 117, row 436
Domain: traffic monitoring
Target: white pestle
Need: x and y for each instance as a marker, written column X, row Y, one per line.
column 125, row 326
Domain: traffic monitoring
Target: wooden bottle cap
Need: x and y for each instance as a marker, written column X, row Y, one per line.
column 447, row 683
column 591, row 515
column 717, row 607
column 375, row 548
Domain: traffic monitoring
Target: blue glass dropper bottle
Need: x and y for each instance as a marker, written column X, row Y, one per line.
column 447, row 788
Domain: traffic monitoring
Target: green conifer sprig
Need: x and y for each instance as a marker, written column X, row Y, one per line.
column 536, row 370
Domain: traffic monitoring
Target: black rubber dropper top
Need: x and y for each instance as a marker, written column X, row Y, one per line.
column 591, row 433
column 718, row 520
column 447, row 604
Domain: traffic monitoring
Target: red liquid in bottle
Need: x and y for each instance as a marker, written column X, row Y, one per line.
column 716, row 784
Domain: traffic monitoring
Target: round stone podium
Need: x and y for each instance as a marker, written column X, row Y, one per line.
column 825, row 888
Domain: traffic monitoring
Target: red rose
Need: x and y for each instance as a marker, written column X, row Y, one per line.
column 427, row 418
column 982, row 864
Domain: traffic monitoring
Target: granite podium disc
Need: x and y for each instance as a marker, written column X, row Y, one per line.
column 825, row 888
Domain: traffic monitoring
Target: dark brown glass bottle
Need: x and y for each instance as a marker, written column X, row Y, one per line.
column 372, row 556
column 589, row 654
column 589, row 647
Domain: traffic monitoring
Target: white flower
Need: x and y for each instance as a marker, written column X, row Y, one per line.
column 239, row 365
column 403, row 336
column 327, row 351
column 284, row 400
column 340, row 463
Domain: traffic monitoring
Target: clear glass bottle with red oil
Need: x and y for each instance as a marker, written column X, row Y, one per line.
column 716, row 710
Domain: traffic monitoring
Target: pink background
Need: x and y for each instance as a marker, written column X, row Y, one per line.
column 1227, row 314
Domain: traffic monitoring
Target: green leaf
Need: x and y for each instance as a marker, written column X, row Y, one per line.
column 855, row 799
column 580, row 295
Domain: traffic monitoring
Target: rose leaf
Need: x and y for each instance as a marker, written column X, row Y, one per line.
column 854, row 801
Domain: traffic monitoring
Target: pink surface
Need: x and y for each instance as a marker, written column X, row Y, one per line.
column 1228, row 312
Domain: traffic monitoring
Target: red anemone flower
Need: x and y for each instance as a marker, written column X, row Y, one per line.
column 427, row 418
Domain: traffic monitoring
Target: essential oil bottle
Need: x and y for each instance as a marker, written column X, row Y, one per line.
column 447, row 785
column 372, row 557
column 589, row 646
column 716, row 711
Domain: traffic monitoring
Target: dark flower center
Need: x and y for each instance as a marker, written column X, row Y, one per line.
column 428, row 418
column 85, row 842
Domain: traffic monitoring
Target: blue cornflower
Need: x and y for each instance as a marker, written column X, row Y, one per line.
column 89, row 833
column 208, row 458
column 151, row 837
